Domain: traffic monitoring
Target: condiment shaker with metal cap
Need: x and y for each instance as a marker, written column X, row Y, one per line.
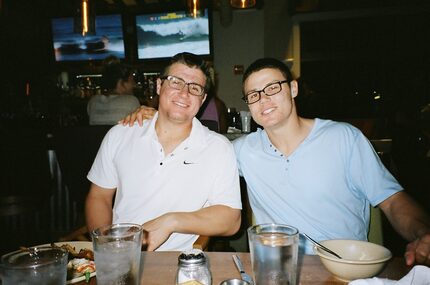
column 193, row 268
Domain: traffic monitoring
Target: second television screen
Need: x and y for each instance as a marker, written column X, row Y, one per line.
column 166, row 34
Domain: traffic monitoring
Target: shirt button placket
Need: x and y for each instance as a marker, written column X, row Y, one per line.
column 161, row 151
column 287, row 163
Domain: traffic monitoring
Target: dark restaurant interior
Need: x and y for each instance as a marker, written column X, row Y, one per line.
column 362, row 61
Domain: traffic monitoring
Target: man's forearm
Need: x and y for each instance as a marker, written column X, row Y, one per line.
column 215, row 220
column 407, row 217
column 419, row 226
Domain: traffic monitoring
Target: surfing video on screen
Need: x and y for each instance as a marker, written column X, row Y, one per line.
column 166, row 34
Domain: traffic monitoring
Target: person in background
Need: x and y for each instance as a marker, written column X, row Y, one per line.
column 166, row 175
column 118, row 99
column 214, row 109
column 320, row 176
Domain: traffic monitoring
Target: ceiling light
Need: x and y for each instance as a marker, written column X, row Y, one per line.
column 85, row 20
column 194, row 8
column 243, row 4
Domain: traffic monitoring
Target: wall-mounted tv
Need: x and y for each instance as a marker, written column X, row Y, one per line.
column 165, row 34
column 70, row 45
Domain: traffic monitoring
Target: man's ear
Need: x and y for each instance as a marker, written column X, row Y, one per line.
column 294, row 88
column 204, row 99
column 159, row 82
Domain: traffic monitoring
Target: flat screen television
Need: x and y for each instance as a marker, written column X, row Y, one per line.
column 70, row 45
column 165, row 34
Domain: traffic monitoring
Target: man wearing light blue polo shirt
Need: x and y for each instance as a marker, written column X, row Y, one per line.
column 318, row 175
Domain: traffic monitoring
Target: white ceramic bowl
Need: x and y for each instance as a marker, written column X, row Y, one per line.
column 360, row 259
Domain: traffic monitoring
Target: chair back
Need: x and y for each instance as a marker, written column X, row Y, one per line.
column 383, row 148
column 24, row 167
column 76, row 147
column 375, row 233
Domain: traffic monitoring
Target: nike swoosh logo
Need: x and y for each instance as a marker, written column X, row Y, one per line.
column 186, row 162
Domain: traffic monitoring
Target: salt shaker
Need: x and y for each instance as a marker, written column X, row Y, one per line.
column 193, row 268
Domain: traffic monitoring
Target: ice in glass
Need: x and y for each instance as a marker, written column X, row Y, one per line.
column 117, row 250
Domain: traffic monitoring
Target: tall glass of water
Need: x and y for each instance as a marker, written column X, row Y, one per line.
column 117, row 250
column 274, row 253
column 34, row 266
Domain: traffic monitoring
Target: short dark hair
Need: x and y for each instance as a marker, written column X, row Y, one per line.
column 268, row 62
column 190, row 60
column 114, row 71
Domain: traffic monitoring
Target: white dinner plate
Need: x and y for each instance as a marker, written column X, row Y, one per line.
column 78, row 245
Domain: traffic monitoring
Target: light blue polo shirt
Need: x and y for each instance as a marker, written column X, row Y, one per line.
column 324, row 188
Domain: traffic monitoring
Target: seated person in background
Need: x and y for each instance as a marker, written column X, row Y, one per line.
column 214, row 109
column 318, row 175
column 118, row 99
column 168, row 175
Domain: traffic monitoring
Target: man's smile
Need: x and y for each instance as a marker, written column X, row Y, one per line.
column 180, row 104
column 268, row 111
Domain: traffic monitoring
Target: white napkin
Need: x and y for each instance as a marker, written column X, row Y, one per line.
column 419, row 275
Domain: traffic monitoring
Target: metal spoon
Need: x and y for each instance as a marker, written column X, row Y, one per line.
column 321, row 246
column 245, row 276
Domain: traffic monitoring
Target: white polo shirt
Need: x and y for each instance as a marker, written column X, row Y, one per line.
column 200, row 172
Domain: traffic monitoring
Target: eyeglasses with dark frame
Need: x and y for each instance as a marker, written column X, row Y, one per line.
column 177, row 83
column 270, row 90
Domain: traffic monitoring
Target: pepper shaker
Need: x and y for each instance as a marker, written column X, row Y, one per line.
column 193, row 268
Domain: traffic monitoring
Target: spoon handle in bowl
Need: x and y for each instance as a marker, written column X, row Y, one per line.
column 321, row 246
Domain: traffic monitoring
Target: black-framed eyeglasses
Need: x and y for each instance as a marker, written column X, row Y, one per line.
column 270, row 90
column 179, row 84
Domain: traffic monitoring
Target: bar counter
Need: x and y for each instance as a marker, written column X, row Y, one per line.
column 159, row 268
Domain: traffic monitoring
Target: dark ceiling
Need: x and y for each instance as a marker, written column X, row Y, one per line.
column 69, row 7
column 132, row 6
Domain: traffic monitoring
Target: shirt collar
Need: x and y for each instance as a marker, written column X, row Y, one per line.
column 267, row 144
column 197, row 137
column 149, row 132
column 271, row 148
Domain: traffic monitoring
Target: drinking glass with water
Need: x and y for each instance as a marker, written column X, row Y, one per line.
column 34, row 266
column 117, row 250
column 274, row 253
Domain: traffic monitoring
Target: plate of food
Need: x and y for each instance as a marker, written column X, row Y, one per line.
column 81, row 260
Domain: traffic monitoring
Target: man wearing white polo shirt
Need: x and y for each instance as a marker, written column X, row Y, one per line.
column 166, row 175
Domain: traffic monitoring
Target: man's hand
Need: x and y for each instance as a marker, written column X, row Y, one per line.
column 158, row 231
column 418, row 251
column 216, row 220
column 140, row 114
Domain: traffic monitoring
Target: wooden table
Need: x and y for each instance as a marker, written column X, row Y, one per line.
column 159, row 268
